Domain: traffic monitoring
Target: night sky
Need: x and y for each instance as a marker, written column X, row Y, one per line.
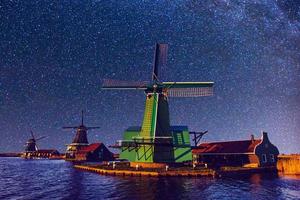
column 54, row 57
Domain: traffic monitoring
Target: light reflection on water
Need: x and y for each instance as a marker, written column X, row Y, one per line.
column 46, row 179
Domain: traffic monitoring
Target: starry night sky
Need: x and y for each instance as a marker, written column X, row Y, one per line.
column 54, row 57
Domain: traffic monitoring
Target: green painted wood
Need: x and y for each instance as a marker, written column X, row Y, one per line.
column 156, row 123
column 129, row 153
column 182, row 146
column 150, row 113
column 145, row 153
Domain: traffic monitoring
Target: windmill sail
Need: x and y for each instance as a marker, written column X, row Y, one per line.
column 81, row 117
column 32, row 135
column 124, row 85
column 42, row 137
column 188, row 89
column 160, row 59
column 190, row 92
column 93, row 127
column 70, row 127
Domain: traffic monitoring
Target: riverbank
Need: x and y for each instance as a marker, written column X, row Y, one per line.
column 175, row 172
column 10, row 154
column 289, row 164
column 128, row 171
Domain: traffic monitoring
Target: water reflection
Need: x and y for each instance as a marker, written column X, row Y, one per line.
column 157, row 188
column 75, row 183
column 59, row 180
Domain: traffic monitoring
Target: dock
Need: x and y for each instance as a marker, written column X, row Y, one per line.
column 176, row 172
column 148, row 172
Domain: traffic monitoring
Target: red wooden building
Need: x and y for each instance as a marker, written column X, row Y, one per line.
column 42, row 153
column 94, row 152
column 253, row 152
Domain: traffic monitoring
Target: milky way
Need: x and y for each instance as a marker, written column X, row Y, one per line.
column 54, row 57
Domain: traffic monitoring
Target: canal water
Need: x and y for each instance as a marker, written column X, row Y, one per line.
column 57, row 179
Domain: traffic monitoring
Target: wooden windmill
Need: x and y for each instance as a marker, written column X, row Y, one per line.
column 156, row 140
column 80, row 138
column 31, row 144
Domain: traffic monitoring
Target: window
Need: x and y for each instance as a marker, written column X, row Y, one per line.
column 264, row 158
column 272, row 157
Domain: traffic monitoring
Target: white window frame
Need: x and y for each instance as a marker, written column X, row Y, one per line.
column 272, row 157
column 264, row 158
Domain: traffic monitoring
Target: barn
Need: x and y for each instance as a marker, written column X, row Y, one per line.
column 253, row 152
column 93, row 153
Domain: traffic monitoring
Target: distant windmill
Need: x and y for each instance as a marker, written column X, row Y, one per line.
column 80, row 138
column 81, row 132
column 31, row 145
column 156, row 128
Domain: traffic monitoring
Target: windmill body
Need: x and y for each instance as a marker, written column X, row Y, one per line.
column 81, row 135
column 156, row 140
column 80, row 140
column 30, row 146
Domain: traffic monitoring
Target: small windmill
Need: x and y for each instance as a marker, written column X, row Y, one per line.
column 156, row 131
column 81, row 132
column 31, row 145
column 80, row 138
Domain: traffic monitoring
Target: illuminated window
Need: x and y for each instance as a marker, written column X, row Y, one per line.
column 272, row 157
column 264, row 158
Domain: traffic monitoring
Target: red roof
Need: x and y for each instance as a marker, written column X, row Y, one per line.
column 89, row 148
column 242, row 146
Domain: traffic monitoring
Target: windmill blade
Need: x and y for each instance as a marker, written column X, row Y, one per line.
column 42, row 137
column 81, row 117
column 93, row 127
column 32, row 135
column 70, row 127
column 190, row 92
column 124, row 85
column 160, row 59
column 188, row 89
column 187, row 84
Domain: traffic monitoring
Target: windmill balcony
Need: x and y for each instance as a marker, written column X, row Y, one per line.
column 138, row 141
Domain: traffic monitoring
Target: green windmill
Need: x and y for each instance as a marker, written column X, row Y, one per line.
column 156, row 140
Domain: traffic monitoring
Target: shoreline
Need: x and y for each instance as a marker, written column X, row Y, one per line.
column 176, row 172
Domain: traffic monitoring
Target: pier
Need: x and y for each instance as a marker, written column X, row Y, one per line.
column 176, row 172
column 148, row 172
